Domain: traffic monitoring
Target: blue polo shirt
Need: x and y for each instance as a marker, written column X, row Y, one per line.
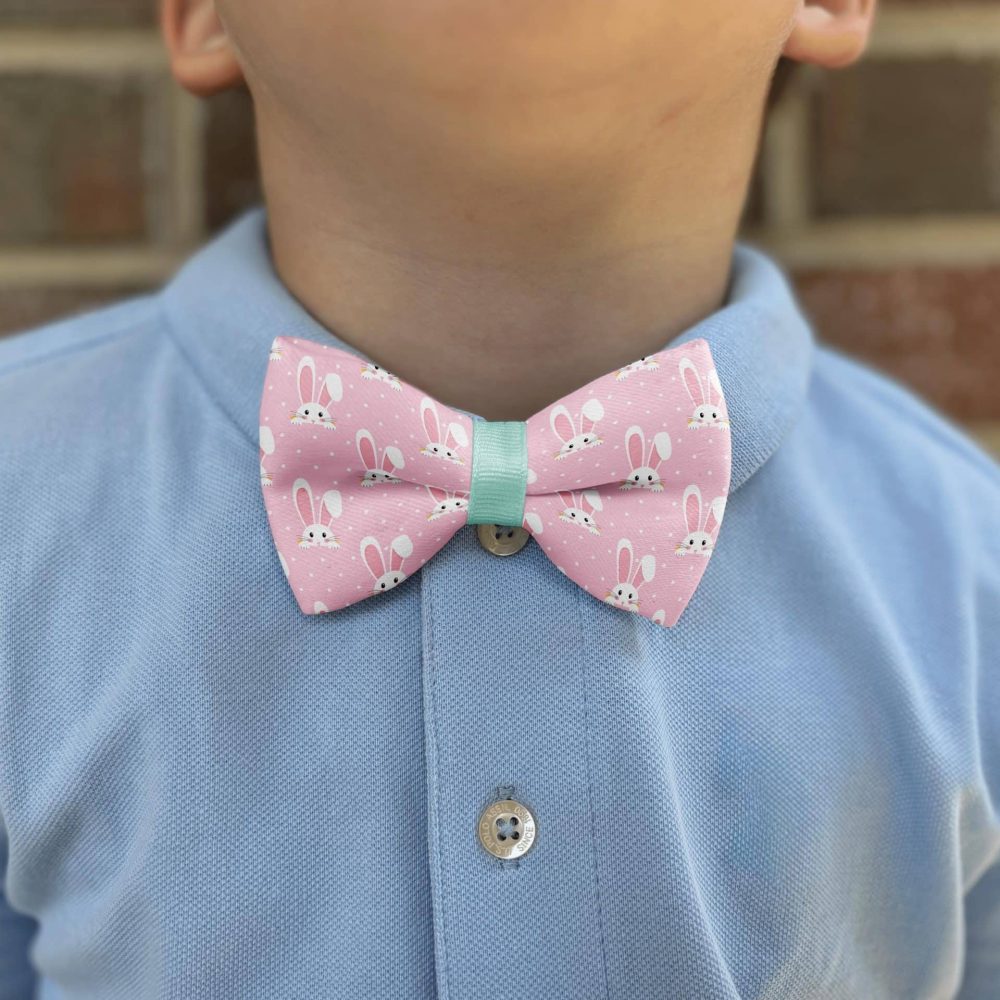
column 794, row 792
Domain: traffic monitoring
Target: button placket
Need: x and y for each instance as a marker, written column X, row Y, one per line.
column 506, row 731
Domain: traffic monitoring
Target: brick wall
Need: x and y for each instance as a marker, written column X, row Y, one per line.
column 878, row 186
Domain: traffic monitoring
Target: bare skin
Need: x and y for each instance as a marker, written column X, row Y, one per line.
column 500, row 201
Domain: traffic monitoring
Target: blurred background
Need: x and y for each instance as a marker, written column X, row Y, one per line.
column 878, row 186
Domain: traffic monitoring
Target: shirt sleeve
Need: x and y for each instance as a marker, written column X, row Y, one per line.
column 982, row 938
column 17, row 976
column 981, row 979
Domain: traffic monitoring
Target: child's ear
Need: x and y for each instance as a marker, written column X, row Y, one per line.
column 201, row 55
column 830, row 33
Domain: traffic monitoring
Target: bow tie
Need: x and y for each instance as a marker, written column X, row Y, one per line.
column 623, row 482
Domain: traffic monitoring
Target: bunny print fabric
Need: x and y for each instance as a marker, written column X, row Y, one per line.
column 365, row 477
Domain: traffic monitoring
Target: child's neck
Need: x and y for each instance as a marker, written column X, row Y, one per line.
column 499, row 298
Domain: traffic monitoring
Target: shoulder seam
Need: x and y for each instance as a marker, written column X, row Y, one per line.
column 940, row 427
column 85, row 343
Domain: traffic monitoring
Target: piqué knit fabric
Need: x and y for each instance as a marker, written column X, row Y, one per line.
column 204, row 793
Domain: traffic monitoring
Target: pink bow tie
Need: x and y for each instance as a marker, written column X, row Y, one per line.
column 623, row 482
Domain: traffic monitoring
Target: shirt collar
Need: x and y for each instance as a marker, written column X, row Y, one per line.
column 227, row 304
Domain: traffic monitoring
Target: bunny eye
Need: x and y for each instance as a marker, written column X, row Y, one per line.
column 703, row 542
column 650, row 478
column 636, row 477
column 395, row 579
column 382, row 584
column 311, row 535
column 619, row 591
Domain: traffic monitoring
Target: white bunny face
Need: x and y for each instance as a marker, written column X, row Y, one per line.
column 579, row 510
column 266, row 448
column 441, row 445
column 631, row 575
column 706, row 394
column 624, row 595
column 317, row 523
column 702, row 525
column 386, row 573
column 696, row 543
column 315, row 397
column 377, row 471
column 388, row 580
column 373, row 477
column 644, row 364
column 445, row 502
column 645, row 472
column 707, row 415
column 576, row 437
column 374, row 373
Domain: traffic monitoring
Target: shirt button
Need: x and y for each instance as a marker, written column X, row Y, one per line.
column 507, row 829
column 502, row 539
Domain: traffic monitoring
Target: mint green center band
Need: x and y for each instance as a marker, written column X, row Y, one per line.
column 499, row 472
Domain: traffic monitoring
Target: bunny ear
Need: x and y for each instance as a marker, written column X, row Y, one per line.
column 365, row 443
column 713, row 384
column 635, row 446
column 561, row 423
column 713, row 519
column 437, row 494
column 534, row 522
column 532, row 475
column 332, row 390
column 429, row 418
column 593, row 410
column 267, row 440
column 624, row 557
column 332, row 503
column 401, row 548
column 302, row 497
column 392, row 459
column 567, row 499
column 457, row 431
column 691, row 502
column 645, row 569
column 319, row 608
column 692, row 381
column 306, row 379
column 371, row 552
column 662, row 446
column 593, row 498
